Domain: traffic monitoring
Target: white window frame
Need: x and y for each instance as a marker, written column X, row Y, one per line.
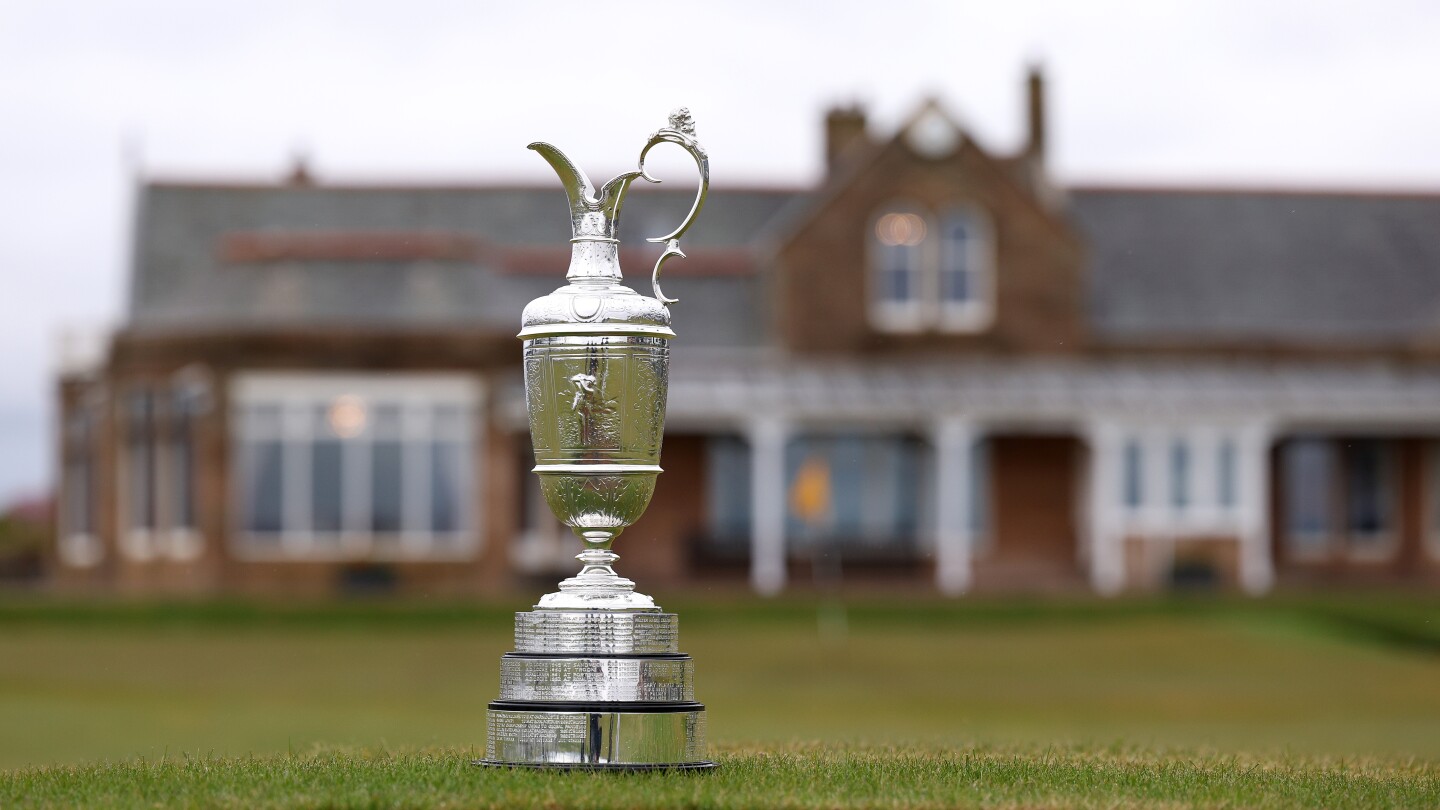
column 298, row 394
column 977, row 312
column 1202, row 514
column 894, row 316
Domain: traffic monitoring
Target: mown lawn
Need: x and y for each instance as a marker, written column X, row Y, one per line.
column 778, row 776
column 1323, row 702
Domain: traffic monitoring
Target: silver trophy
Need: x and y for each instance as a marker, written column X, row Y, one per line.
column 596, row 679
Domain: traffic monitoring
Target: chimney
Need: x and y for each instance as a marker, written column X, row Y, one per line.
column 300, row 171
column 844, row 131
column 1035, row 115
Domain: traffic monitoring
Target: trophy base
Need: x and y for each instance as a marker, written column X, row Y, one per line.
column 609, row 735
column 598, row 690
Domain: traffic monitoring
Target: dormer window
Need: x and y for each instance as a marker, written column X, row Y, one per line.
column 924, row 277
column 899, row 263
column 965, row 274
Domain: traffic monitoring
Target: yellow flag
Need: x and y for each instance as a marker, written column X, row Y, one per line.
column 810, row 493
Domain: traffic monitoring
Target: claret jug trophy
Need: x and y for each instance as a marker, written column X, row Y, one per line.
column 596, row 679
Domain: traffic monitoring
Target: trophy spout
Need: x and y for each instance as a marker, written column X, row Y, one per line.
column 594, row 216
column 576, row 184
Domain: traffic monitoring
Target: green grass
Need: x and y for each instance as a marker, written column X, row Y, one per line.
column 1325, row 702
column 790, row 776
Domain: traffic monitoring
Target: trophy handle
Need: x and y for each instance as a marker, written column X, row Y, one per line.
column 681, row 132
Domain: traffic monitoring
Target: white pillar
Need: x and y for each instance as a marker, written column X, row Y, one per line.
column 1106, row 529
column 767, row 505
column 1257, row 570
column 953, row 439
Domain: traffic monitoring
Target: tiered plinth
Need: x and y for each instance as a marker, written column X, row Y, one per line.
column 596, row 689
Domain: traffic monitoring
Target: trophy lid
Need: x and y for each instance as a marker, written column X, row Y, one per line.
column 595, row 302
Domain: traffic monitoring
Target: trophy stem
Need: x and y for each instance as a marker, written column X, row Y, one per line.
column 597, row 586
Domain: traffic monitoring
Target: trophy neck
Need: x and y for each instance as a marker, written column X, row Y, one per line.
column 597, row 586
column 594, row 261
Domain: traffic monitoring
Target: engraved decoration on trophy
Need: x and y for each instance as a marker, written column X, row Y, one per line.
column 596, row 679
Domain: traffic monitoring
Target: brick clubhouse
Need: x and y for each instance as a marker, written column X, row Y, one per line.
column 938, row 366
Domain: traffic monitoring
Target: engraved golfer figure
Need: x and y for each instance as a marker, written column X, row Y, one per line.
column 597, row 414
column 584, row 384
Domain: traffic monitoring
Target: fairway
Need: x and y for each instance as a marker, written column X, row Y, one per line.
column 1329, row 678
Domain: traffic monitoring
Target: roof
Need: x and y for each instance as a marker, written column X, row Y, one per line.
column 226, row 256
column 1237, row 266
column 1165, row 266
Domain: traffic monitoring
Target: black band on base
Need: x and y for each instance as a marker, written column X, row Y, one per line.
column 596, row 706
column 580, row 766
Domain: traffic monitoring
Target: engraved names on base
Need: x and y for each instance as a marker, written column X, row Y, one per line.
column 517, row 737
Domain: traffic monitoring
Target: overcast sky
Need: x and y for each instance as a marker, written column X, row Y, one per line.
column 93, row 95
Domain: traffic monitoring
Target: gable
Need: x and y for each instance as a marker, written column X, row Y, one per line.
column 823, row 258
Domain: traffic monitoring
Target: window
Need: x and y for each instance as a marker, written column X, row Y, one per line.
column 186, row 403
column 1308, row 466
column 963, row 272
column 158, row 467
column 1133, row 483
column 141, row 508
column 1179, row 474
column 544, row 545
column 1340, row 490
column 923, row 277
column 449, row 470
column 355, row 467
column 899, row 265
column 179, row 470
column 957, row 239
column 728, row 509
column 855, row 492
column 1225, row 472
column 79, row 545
column 79, row 472
column 1369, row 495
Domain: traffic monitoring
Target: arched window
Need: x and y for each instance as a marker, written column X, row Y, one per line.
column 898, row 261
column 965, row 271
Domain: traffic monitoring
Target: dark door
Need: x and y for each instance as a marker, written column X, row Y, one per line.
column 1033, row 491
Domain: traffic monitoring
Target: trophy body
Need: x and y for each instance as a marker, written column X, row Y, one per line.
column 596, row 679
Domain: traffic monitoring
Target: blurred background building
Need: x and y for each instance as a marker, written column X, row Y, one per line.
column 937, row 366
